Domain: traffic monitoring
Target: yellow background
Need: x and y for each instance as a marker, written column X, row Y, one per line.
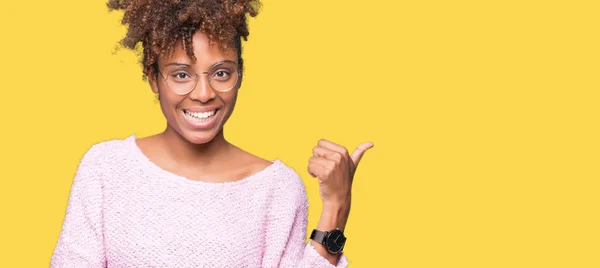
column 484, row 116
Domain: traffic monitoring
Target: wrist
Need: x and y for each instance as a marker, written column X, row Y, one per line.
column 333, row 216
column 338, row 203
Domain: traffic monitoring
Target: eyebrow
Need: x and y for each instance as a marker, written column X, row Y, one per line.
column 178, row 64
column 187, row 65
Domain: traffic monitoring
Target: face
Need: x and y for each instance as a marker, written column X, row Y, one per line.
column 199, row 115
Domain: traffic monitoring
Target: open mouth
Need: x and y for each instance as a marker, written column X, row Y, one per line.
column 200, row 117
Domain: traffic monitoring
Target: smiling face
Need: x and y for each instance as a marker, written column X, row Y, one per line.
column 198, row 116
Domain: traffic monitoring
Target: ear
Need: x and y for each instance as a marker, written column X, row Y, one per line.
column 153, row 80
column 240, row 80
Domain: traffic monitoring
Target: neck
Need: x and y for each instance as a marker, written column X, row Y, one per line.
column 198, row 155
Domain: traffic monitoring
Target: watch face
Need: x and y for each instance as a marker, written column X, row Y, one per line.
column 335, row 241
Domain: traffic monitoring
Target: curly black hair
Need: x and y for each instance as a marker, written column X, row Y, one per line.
column 157, row 25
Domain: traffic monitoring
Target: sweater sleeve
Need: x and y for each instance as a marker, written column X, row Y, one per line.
column 80, row 243
column 297, row 252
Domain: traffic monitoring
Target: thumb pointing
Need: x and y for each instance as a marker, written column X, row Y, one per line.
column 359, row 151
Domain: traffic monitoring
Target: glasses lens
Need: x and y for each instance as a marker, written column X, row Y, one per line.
column 181, row 81
column 223, row 76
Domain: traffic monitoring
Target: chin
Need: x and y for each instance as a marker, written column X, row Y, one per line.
column 198, row 132
column 198, row 137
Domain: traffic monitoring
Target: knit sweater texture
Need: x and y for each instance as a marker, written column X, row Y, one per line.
column 125, row 211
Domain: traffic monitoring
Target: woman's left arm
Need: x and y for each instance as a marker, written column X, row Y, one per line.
column 334, row 168
column 298, row 253
column 288, row 218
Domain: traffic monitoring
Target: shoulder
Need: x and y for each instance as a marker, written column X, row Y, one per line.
column 94, row 164
column 101, row 161
column 103, row 152
column 281, row 176
column 289, row 182
column 286, row 174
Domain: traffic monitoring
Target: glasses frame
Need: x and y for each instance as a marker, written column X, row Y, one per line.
column 197, row 77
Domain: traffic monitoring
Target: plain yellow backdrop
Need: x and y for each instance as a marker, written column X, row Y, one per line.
column 484, row 116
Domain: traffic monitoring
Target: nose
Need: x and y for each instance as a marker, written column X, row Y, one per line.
column 203, row 92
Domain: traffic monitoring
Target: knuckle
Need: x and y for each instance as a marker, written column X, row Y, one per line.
column 331, row 166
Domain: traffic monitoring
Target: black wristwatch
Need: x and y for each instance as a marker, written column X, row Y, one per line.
column 333, row 240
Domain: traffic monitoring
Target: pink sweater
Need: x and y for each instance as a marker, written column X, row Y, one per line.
column 124, row 211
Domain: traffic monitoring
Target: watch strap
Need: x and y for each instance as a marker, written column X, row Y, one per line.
column 318, row 236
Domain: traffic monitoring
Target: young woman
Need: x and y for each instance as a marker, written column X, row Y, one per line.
column 187, row 197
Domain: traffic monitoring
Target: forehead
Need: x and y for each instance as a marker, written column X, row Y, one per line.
column 206, row 52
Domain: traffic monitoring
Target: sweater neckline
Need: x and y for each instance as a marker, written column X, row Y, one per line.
column 146, row 162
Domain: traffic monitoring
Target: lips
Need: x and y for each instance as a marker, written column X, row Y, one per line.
column 200, row 115
column 201, row 118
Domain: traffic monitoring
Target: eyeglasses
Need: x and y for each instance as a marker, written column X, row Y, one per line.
column 182, row 79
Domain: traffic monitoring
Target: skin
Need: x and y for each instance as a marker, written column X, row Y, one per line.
column 334, row 168
column 205, row 154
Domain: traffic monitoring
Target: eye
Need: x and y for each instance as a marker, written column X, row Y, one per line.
column 180, row 75
column 221, row 75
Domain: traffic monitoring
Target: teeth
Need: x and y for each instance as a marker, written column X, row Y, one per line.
column 201, row 115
